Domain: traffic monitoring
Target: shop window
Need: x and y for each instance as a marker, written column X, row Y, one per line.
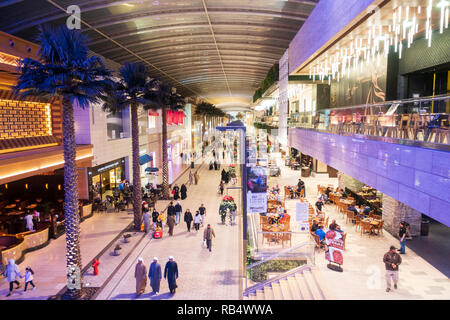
column 114, row 125
column 152, row 122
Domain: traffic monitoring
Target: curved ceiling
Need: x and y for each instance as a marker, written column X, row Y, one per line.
column 218, row 50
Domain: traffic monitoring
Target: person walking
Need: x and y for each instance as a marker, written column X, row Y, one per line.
column 233, row 209
column 140, row 273
column 196, row 178
column 176, row 192
column 178, row 211
column 171, row 210
column 202, row 211
column 188, row 219
column 154, row 273
column 402, row 236
column 197, row 220
column 171, row 274
column 155, row 215
column 12, row 272
column 191, row 177
column 221, row 187
column 171, row 223
column 146, row 219
column 28, row 278
column 208, row 234
column 183, row 191
column 391, row 261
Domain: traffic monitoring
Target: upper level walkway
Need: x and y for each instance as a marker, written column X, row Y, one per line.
column 416, row 173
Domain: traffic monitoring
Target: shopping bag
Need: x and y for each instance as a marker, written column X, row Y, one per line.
column 204, row 244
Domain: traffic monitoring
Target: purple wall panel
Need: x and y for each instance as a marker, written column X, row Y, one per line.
column 328, row 18
column 441, row 164
column 417, row 177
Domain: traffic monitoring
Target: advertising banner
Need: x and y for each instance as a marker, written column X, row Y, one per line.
column 256, row 189
column 335, row 244
column 301, row 216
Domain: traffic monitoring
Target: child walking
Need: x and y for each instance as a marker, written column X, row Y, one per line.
column 28, row 278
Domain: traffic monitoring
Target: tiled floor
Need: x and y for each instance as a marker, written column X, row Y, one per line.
column 363, row 276
column 202, row 274
column 49, row 263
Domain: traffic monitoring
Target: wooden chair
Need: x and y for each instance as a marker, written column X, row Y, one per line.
column 326, row 222
column 380, row 227
column 317, row 241
column 358, row 222
column 285, row 237
column 350, row 216
column 365, row 227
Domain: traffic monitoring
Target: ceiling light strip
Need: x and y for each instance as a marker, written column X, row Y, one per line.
column 126, row 49
column 217, row 47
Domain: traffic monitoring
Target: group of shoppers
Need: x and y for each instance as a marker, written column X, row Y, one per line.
column 155, row 275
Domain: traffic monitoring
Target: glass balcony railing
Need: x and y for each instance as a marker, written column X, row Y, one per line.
column 419, row 119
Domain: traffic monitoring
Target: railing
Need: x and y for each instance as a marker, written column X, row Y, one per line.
column 277, row 265
column 411, row 119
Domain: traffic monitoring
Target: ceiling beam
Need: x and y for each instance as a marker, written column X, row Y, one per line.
column 240, row 46
column 192, row 25
column 189, row 37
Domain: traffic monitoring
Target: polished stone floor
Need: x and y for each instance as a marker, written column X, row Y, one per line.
column 363, row 276
column 434, row 248
column 202, row 274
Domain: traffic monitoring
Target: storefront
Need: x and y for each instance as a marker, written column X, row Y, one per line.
column 105, row 178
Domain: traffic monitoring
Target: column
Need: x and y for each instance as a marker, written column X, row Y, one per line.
column 395, row 211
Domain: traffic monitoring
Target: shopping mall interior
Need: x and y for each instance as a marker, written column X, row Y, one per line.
column 291, row 149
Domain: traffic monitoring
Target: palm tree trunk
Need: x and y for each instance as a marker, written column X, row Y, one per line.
column 165, row 168
column 137, row 192
column 71, row 214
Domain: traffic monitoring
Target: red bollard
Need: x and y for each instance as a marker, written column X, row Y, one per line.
column 95, row 266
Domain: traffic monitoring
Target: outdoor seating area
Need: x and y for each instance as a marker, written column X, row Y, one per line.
column 368, row 222
column 275, row 223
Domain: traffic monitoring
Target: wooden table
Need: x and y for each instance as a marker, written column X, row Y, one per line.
column 373, row 224
column 10, row 206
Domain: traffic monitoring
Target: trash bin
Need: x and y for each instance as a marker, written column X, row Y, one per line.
column 192, row 164
column 424, row 227
column 305, row 171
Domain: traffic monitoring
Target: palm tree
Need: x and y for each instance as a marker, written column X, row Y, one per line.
column 204, row 109
column 131, row 91
column 64, row 70
column 164, row 98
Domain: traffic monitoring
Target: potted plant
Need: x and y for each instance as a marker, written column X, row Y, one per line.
column 126, row 237
column 117, row 249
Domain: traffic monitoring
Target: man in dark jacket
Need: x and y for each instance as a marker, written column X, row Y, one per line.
column 188, row 219
column 155, row 215
column 171, row 210
column 171, row 274
column 208, row 234
column 391, row 260
column 319, row 205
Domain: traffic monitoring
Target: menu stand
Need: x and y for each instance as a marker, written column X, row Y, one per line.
column 335, row 267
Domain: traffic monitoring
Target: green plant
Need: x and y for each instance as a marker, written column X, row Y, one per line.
column 271, row 77
column 259, row 273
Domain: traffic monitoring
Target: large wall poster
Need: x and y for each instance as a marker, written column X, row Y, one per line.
column 256, row 189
